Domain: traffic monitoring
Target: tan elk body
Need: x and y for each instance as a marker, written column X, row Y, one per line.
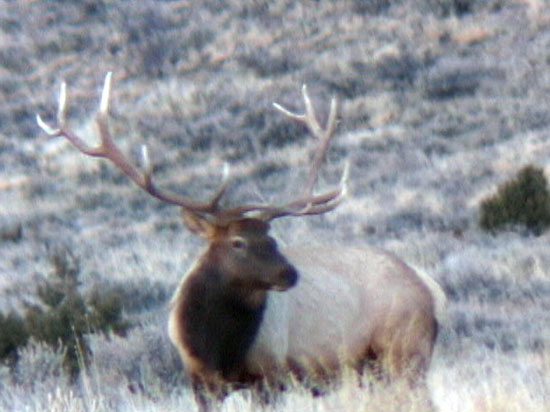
column 368, row 304
column 248, row 313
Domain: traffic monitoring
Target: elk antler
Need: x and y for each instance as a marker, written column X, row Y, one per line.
column 108, row 150
column 309, row 204
column 324, row 135
column 312, row 204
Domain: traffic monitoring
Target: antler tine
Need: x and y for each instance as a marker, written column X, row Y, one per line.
column 325, row 135
column 310, row 205
column 214, row 202
column 109, row 150
column 62, row 106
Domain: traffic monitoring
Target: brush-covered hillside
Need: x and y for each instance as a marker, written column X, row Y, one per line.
column 440, row 103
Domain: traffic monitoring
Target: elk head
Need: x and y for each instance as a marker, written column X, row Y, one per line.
column 242, row 256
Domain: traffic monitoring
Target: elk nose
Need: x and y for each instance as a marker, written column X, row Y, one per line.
column 288, row 277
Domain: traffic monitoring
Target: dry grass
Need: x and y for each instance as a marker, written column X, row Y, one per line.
column 492, row 383
column 441, row 101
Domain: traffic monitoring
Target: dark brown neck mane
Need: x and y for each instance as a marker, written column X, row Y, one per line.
column 219, row 324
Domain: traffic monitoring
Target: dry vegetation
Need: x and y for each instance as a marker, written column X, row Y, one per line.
column 441, row 102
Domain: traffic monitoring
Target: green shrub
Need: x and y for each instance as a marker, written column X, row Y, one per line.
column 63, row 325
column 64, row 316
column 13, row 334
column 523, row 201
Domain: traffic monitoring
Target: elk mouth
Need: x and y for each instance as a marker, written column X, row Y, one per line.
column 286, row 279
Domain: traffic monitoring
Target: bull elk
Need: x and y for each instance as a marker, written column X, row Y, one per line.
column 229, row 320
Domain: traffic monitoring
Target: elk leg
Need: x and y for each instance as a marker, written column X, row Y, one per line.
column 407, row 362
column 266, row 392
column 206, row 393
column 371, row 363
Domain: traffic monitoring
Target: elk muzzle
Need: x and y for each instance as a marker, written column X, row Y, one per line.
column 286, row 279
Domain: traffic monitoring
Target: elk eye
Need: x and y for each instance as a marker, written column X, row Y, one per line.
column 238, row 243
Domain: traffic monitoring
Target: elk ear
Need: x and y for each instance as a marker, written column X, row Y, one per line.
column 198, row 224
